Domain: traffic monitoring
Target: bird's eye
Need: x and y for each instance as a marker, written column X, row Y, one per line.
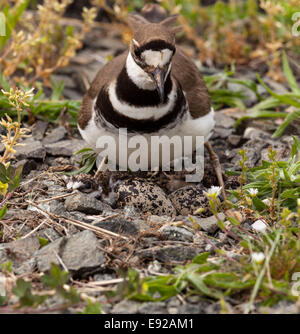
column 137, row 52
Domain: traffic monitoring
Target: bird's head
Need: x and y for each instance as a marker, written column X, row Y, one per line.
column 153, row 47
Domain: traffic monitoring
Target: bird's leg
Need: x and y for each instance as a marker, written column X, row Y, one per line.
column 217, row 166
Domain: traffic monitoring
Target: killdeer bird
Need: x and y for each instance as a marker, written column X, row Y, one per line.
column 152, row 89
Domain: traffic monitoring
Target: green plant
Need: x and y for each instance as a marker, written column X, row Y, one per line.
column 265, row 108
column 55, row 284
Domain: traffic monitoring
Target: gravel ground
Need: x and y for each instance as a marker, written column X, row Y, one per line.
column 97, row 226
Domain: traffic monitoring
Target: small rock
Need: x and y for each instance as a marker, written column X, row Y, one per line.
column 153, row 308
column 32, row 149
column 58, row 208
column 104, row 277
column 141, row 225
column 80, row 253
column 173, row 305
column 55, row 135
column 224, row 121
column 209, row 224
column 65, row 147
column 131, row 211
column 126, row 307
column 85, row 203
column 27, row 166
column 254, row 133
column 176, row 233
column 145, row 196
column 48, row 233
column 234, row 140
column 20, row 250
column 169, row 253
column 193, row 308
column 222, row 133
column 39, row 129
column 27, row 267
column 119, row 225
column 253, row 149
column 188, row 199
column 158, row 220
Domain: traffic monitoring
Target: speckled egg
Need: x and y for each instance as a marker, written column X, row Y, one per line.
column 145, row 196
column 188, row 199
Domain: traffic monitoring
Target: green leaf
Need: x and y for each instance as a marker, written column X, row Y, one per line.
column 259, row 204
column 3, row 212
column 83, row 150
column 289, row 74
column 295, row 146
column 4, row 84
column 201, row 258
column 3, row 300
column 43, row 242
column 197, row 281
column 13, row 16
column 227, row 281
column 57, row 90
column 92, row 308
column 260, row 114
column 56, row 277
column 290, row 117
column 6, row 266
column 21, row 288
column 284, row 98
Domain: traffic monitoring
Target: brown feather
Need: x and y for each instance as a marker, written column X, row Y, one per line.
column 104, row 77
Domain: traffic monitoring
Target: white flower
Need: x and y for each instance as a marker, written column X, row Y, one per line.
column 258, row 257
column 213, row 191
column 259, row 226
column 267, row 201
column 253, row 192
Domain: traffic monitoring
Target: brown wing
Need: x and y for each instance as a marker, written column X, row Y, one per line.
column 106, row 74
column 188, row 75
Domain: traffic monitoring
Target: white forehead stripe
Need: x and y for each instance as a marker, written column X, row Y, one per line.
column 157, row 58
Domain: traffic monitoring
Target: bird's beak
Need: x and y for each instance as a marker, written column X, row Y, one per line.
column 159, row 79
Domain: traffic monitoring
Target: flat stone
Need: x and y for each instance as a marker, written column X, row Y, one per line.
column 85, row 203
column 192, row 309
column 65, row 147
column 153, row 308
column 119, row 225
column 19, row 251
column 254, row 133
column 209, row 224
column 223, row 120
column 49, row 233
column 126, row 307
column 39, row 129
column 55, row 135
column 234, row 140
column 32, row 149
column 176, row 233
column 168, row 254
column 253, row 150
column 141, row 225
column 158, row 220
column 79, row 253
column 58, row 208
